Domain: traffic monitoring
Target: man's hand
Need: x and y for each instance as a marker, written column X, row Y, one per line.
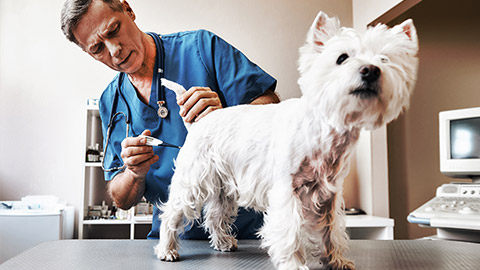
column 137, row 156
column 197, row 102
column 128, row 187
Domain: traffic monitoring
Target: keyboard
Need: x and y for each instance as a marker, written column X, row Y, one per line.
column 456, row 205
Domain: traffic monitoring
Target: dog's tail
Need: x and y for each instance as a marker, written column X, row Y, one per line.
column 179, row 90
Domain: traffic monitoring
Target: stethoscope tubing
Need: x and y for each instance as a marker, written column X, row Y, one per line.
column 160, row 91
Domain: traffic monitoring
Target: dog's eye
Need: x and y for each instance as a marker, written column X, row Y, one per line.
column 384, row 60
column 342, row 58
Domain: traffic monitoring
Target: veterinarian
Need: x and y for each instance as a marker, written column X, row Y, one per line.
column 215, row 74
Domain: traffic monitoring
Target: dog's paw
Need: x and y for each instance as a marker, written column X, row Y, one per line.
column 166, row 255
column 226, row 245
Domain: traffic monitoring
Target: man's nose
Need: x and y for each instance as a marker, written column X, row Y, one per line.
column 113, row 47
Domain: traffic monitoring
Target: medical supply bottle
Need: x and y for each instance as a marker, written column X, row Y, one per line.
column 92, row 154
column 97, row 152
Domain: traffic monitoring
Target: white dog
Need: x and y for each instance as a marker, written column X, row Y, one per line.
column 288, row 160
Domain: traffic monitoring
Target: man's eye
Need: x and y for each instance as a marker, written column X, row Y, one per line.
column 342, row 58
column 97, row 48
column 114, row 30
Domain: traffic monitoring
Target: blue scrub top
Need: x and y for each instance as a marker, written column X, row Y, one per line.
column 193, row 58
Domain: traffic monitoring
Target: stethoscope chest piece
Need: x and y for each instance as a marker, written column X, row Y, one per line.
column 162, row 110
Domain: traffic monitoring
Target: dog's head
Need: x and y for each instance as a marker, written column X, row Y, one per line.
column 358, row 80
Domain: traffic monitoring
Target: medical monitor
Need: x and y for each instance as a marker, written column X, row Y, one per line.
column 460, row 143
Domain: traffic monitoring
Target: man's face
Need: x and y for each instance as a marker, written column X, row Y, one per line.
column 111, row 37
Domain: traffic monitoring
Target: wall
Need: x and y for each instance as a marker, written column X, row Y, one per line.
column 45, row 80
column 448, row 79
column 366, row 11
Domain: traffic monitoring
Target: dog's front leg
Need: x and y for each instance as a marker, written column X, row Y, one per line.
column 282, row 231
column 335, row 238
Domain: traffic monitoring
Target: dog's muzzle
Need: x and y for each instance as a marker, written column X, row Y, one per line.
column 370, row 75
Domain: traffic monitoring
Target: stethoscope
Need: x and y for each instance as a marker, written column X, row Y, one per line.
column 160, row 91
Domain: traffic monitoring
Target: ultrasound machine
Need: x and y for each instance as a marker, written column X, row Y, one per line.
column 455, row 210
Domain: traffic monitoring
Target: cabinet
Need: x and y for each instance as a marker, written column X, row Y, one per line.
column 130, row 225
column 369, row 227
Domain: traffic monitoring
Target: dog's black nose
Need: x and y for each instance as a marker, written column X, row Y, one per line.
column 370, row 73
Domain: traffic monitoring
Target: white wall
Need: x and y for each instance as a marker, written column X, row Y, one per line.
column 45, row 80
column 366, row 11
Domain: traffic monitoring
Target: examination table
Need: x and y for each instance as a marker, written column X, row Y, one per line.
column 138, row 254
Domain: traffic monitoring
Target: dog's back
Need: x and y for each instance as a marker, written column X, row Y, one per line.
column 234, row 148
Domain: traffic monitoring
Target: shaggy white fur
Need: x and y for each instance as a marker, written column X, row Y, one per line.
column 288, row 160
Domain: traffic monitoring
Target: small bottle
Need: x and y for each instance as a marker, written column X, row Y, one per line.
column 114, row 210
column 104, row 210
column 90, row 156
column 96, row 156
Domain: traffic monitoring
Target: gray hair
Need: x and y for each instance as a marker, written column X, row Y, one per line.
column 74, row 10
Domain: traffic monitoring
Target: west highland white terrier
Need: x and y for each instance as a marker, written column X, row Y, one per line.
column 289, row 160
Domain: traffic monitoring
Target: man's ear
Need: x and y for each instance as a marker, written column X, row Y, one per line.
column 322, row 29
column 128, row 10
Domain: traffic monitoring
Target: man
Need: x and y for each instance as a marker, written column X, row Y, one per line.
column 106, row 30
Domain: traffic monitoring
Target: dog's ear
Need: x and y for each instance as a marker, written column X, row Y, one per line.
column 408, row 29
column 322, row 29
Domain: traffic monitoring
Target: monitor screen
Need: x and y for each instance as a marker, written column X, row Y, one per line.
column 459, row 132
column 465, row 138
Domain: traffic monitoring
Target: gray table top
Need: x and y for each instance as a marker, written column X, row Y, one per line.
column 138, row 254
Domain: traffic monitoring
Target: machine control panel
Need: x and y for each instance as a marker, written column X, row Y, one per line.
column 455, row 206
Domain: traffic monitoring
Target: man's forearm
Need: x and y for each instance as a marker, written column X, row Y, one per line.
column 126, row 190
column 268, row 97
